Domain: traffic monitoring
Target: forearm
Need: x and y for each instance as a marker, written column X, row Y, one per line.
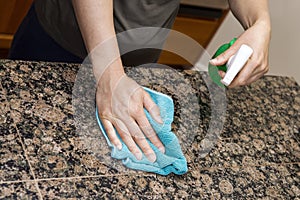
column 95, row 19
column 249, row 12
column 254, row 17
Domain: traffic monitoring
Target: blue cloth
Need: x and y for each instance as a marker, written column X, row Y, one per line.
column 173, row 160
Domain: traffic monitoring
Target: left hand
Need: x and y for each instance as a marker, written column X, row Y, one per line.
column 258, row 38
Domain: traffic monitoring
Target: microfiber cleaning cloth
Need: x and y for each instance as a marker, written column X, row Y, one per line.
column 172, row 160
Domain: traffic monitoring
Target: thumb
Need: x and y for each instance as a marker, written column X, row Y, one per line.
column 224, row 57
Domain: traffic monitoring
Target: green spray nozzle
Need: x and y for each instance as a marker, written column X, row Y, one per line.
column 213, row 70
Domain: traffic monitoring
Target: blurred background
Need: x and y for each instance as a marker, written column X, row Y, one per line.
column 285, row 42
column 207, row 21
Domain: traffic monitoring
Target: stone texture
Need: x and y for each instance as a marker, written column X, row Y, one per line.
column 49, row 109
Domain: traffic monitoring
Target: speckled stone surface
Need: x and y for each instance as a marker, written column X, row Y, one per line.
column 52, row 148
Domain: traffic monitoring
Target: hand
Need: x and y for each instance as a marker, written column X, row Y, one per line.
column 121, row 103
column 258, row 38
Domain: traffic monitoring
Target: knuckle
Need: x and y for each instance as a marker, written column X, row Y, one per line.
column 256, row 62
column 105, row 112
column 223, row 56
column 146, row 94
column 114, row 141
column 137, row 136
column 151, row 135
column 136, row 110
column 232, row 50
column 132, row 147
column 135, row 151
column 154, row 108
column 123, row 132
column 110, row 130
column 148, row 151
column 266, row 70
column 242, row 82
column 149, row 130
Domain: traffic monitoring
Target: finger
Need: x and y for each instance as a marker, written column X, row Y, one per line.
column 221, row 73
column 251, row 79
column 255, row 78
column 140, row 140
column 111, row 133
column 261, row 67
column 152, row 108
column 149, row 132
column 224, row 57
column 257, row 74
column 127, row 139
column 251, row 69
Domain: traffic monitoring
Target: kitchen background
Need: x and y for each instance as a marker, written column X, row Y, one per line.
column 208, row 22
column 257, row 155
column 285, row 43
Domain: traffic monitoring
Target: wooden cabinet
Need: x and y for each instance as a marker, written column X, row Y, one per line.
column 11, row 14
column 198, row 28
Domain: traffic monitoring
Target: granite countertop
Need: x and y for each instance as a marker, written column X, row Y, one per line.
column 50, row 150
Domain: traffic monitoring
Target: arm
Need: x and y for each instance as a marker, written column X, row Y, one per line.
column 254, row 17
column 95, row 19
column 251, row 12
column 120, row 100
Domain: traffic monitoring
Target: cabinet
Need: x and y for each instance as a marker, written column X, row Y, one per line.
column 197, row 23
column 11, row 14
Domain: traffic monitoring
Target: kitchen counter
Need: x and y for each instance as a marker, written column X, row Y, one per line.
column 48, row 152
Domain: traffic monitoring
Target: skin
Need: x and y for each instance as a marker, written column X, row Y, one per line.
column 254, row 17
column 95, row 19
column 121, row 100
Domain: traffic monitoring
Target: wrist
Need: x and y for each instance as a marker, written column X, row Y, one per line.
column 263, row 19
column 265, row 22
column 111, row 76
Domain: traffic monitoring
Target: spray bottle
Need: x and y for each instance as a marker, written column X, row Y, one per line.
column 232, row 67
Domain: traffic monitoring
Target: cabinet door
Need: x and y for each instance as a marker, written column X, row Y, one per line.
column 200, row 29
column 11, row 14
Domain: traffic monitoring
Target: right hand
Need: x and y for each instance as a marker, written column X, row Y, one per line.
column 121, row 103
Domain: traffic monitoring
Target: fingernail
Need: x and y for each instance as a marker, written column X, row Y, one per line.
column 162, row 149
column 119, row 146
column 213, row 61
column 221, row 73
column 151, row 157
column 139, row 156
column 159, row 119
